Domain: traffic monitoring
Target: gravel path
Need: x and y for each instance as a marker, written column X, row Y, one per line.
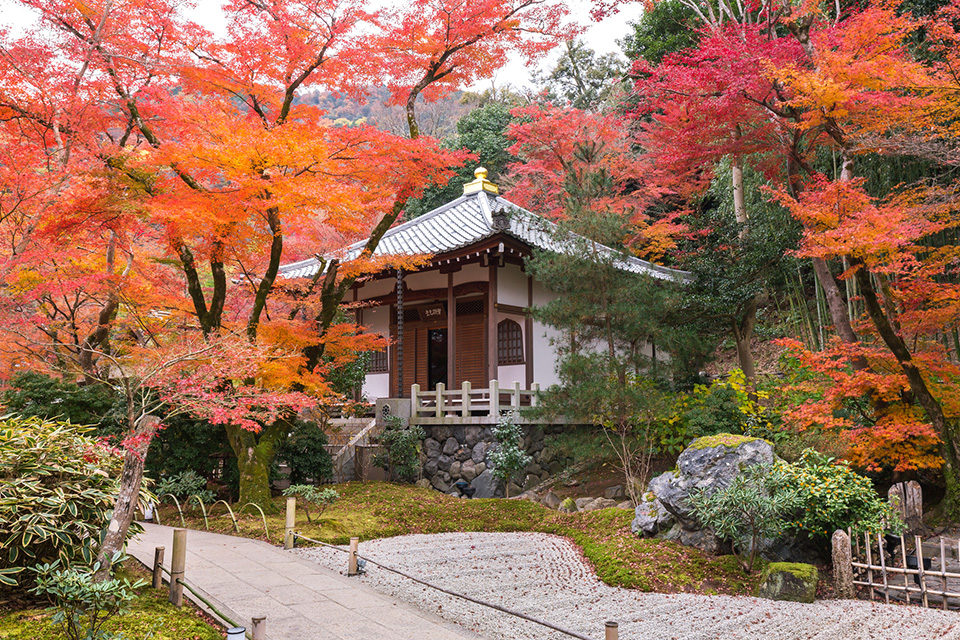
column 544, row 576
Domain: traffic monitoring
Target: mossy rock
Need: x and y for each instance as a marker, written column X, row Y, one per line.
column 568, row 505
column 790, row 581
column 729, row 440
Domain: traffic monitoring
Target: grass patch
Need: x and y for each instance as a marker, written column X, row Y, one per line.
column 149, row 616
column 383, row 510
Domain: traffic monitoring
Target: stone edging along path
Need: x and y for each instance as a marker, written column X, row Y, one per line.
column 546, row 577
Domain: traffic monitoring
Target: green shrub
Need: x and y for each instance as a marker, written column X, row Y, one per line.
column 188, row 444
column 32, row 394
column 320, row 498
column 81, row 604
column 401, row 455
column 57, row 487
column 183, row 485
column 508, row 458
column 744, row 512
column 829, row 496
column 304, row 452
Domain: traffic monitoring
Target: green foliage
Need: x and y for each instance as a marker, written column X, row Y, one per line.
column 746, row 511
column 305, row 454
column 183, row 485
column 36, row 394
column 665, row 27
column 582, row 79
column 402, row 443
column 829, row 495
column 57, row 487
column 310, row 494
column 508, row 458
column 81, row 604
column 189, row 444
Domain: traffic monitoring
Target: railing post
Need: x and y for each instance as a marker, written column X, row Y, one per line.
column 178, row 561
column 842, row 565
column 534, row 399
column 440, row 389
column 157, row 567
column 258, row 628
column 415, row 400
column 290, row 522
column 494, row 398
column 611, row 630
column 516, row 396
column 352, row 561
column 465, row 399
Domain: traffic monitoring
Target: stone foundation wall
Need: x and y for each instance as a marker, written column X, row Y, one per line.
column 461, row 452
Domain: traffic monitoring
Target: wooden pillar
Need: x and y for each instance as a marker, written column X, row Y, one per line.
column 290, row 522
column 178, row 563
column 492, row 322
column 528, row 334
column 352, row 564
column 157, row 567
column 451, row 334
column 399, row 345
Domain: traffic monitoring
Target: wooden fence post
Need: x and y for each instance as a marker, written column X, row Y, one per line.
column 465, row 399
column 516, row 396
column 178, row 561
column 290, row 522
column 495, row 398
column 842, row 565
column 157, row 566
column 352, row 562
column 439, row 408
column 534, row 400
column 258, row 628
column 414, row 400
column 611, row 630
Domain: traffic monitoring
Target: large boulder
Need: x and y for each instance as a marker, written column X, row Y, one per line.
column 485, row 485
column 708, row 463
column 598, row 503
column 792, row 581
column 568, row 505
column 651, row 517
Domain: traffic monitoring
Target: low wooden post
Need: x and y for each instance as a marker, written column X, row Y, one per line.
column 258, row 628
column 440, row 389
column 352, row 562
column 178, row 561
column 516, row 396
column 465, row 399
column 414, row 400
column 157, row 567
column 534, row 399
column 290, row 523
column 611, row 630
column 842, row 565
column 494, row 398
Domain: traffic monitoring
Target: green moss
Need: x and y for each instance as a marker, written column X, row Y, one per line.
column 805, row 572
column 729, row 440
column 568, row 505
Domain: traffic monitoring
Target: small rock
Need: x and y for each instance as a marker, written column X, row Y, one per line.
column 528, row 495
column 472, row 435
column 582, row 502
column 569, row 505
column 444, row 462
column 615, row 492
column 530, row 481
column 430, row 468
column 626, row 504
column 455, row 470
column 423, row 483
column 599, row 503
column 479, row 452
column 468, row 470
column 439, row 484
column 791, row 581
column 450, row 446
column 551, row 500
column 514, row 489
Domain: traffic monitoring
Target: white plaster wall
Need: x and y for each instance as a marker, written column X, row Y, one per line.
column 377, row 385
column 512, row 286
column 507, row 374
column 545, row 355
column 374, row 288
column 472, row 272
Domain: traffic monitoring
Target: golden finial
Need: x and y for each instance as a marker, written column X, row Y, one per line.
column 480, row 183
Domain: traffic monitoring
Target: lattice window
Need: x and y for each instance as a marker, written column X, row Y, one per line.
column 379, row 362
column 509, row 343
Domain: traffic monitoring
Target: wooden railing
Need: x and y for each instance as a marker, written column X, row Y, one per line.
column 467, row 402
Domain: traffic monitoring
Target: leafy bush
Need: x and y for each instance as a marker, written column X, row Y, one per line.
column 32, row 394
column 81, row 604
column 508, row 458
column 183, row 485
column 320, row 498
column 57, row 487
column 829, row 495
column 745, row 511
column 401, row 455
column 303, row 451
column 189, row 444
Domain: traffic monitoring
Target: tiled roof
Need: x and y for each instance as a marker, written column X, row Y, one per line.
column 465, row 221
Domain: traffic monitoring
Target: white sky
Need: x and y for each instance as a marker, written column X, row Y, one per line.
column 600, row 36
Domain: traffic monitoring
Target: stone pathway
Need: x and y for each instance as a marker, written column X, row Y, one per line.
column 546, row 577
column 301, row 599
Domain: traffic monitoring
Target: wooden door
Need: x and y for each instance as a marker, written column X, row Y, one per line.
column 470, row 345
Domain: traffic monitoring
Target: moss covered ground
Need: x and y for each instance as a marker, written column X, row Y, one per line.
column 380, row 510
column 149, row 616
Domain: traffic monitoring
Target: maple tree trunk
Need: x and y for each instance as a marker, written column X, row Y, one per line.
column 742, row 336
column 947, row 429
column 255, row 453
column 125, row 504
column 269, row 276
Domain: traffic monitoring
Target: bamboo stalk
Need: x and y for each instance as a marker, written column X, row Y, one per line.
column 903, row 557
column 923, row 582
column 883, row 569
column 943, row 572
column 866, row 539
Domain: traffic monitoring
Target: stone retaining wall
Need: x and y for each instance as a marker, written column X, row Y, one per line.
column 461, row 452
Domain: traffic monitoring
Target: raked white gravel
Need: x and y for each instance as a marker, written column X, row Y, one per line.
column 545, row 577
